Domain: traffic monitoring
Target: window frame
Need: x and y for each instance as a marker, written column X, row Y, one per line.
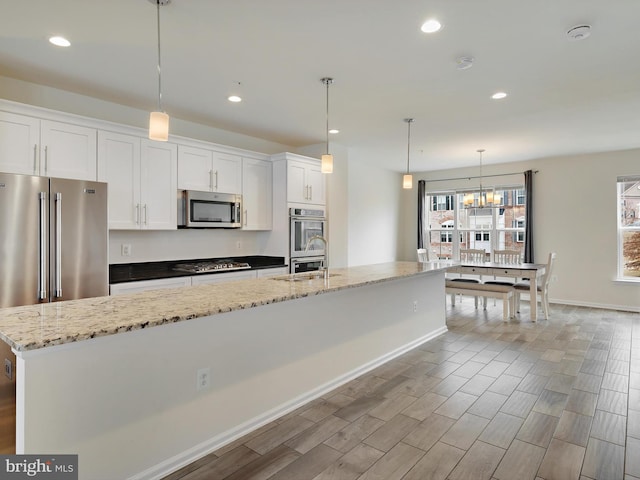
column 624, row 229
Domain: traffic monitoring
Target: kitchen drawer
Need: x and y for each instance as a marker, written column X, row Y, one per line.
column 470, row 270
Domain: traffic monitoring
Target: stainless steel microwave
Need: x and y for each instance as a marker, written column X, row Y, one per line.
column 209, row 210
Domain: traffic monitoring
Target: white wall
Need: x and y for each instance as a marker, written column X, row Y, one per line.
column 374, row 213
column 574, row 215
column 150, row 246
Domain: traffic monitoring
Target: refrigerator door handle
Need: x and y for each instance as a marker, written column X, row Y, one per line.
column 42, row 273
column 58, row 261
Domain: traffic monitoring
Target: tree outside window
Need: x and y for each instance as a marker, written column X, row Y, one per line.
column 629, row 227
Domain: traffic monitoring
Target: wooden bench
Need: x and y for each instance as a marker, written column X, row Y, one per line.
column 505, row 292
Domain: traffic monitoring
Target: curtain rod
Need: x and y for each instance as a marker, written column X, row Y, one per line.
column 478, row 176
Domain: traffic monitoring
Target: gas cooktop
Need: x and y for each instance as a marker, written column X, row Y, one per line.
column 217, row 266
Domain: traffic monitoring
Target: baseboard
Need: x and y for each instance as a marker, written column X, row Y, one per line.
column 176, row 462
column 602, row 306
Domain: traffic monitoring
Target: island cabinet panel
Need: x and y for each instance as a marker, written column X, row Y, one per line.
column 208, row 171
column 133, row 396
column 257, row 195
column 147, row 285
column 142, row 177
column 31, row 146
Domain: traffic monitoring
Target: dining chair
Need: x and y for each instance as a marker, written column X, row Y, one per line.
column 469, row 256
column 472, row 255
column 543, row 288
column 505, row 257
column 423, row 255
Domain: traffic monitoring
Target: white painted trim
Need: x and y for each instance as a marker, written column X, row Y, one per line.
column 176, row 462
column 602, row 306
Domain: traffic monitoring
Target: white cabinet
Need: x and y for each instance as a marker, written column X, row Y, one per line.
column 305, row 182
column 19, row 144
column 142, row 181
column 257, row 194
column 146, row 285
column 32, row 146
column 272, row 272
column 209, row 171
column 222, row 277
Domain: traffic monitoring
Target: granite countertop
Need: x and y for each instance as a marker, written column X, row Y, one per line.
column 34, row 327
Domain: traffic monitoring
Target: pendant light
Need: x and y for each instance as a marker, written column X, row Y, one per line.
column 159, row 120
column 407, row 179
column 485, row 199
column 326, row 165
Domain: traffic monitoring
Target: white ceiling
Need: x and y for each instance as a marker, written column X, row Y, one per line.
column 564, row 97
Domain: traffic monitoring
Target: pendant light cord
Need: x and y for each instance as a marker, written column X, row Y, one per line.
column 327, row 81
column 159, row 60
column 409, row 122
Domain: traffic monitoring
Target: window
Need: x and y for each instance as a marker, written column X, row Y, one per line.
column 519, row 234
column 629, row 227
column 442, row 202
column 452, row 226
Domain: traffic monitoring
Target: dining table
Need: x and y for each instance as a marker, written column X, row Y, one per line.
column 529, row 271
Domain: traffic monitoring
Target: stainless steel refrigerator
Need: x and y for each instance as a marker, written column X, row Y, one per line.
column 53, row 239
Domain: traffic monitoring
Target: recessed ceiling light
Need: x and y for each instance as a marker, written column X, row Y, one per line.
column 334, row 130
column 431, row 26
column 498, row 95
column 234, row 99
column 59, row 41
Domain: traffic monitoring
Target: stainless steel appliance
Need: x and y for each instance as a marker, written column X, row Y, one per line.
column 217, row 266
column 53, row 239
column 305, row 264
column 305, row 224
column 209, row 210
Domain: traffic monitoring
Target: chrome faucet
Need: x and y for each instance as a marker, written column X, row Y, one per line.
column 325, row 261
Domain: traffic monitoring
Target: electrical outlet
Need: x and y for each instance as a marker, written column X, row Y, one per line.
column 203, row 379
column 125, row 249
column 415, row 305
column 8, row 368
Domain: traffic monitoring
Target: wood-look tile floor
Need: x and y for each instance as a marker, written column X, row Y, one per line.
column 554, row 400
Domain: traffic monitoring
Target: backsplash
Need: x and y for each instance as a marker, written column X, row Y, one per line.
column 152, row 246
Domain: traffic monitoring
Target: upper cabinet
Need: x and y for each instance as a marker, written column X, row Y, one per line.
column 305, row 182
column 32, row 146
column 142, row 176
column 209, row 171
column 256, row 194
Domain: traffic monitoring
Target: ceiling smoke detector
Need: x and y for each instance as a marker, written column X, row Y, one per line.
column 579, row 32
column 464, row 62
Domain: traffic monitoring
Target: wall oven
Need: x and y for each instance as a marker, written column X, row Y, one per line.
column 305, row 264
column 209, row 210
column 304, row 224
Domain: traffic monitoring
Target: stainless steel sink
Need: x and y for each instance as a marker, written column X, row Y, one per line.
column 306, row 276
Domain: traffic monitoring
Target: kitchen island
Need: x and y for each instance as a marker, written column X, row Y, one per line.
column 94, row 378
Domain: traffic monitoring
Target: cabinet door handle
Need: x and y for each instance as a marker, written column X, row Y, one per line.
column 310, row 192
column 35, row 159
column 245, row 218
column 138, row 214
column 46, row 159
column 216, row 174
column 210, row 179
column 146, row 215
